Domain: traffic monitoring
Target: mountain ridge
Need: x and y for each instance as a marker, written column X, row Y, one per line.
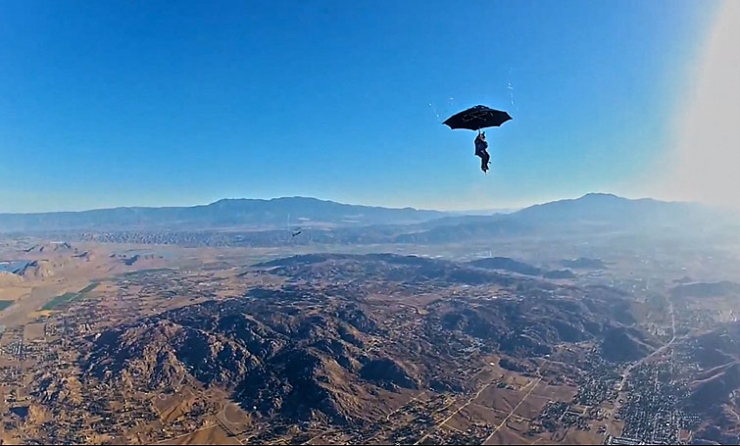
column 307, row 352
column 225, row 213
column 221, row 201
column 594, row 212
column 477, row 213
column 411, row 225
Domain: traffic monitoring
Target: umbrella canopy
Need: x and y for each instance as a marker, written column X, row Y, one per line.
column 476, row 118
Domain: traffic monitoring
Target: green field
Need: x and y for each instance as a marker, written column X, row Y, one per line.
column 69, row 297
column 5, row 304
column 89, row 288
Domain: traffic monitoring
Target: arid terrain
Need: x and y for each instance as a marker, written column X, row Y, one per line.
column 528, row 338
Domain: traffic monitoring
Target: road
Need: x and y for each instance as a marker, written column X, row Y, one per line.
column 470, row 400
column 477, row 394
column 628, row 370
column 534, row 386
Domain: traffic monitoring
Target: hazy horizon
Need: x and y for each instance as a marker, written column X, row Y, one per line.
column 124, row 104
column 451, row 212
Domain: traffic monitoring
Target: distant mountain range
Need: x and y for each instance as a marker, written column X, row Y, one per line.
column 590, row 213
column 253, row 214
column 264, row 222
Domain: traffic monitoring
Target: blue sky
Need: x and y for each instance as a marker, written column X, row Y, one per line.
column 172, row 103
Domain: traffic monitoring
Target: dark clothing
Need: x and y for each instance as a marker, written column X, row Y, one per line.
column 480, row 145
column 484, row 160
column 480, row 150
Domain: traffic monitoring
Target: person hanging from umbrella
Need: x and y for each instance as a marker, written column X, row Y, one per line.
column 477, row 118
column 481, row 146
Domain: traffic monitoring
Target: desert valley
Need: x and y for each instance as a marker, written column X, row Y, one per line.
column 598, row 320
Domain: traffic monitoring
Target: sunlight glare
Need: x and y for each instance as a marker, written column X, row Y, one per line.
column 705, row 165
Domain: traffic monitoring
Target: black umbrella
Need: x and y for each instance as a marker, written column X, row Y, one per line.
column 476, row 118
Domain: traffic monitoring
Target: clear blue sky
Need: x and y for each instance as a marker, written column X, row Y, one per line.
column 108, row 103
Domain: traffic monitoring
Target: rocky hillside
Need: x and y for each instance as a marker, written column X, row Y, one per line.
column 295, row 365
column 320, row 352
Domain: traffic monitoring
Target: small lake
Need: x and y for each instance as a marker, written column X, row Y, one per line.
column 12, row 265
column 21, row 411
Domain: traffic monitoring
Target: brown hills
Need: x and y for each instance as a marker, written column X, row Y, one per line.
column 321, row 352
